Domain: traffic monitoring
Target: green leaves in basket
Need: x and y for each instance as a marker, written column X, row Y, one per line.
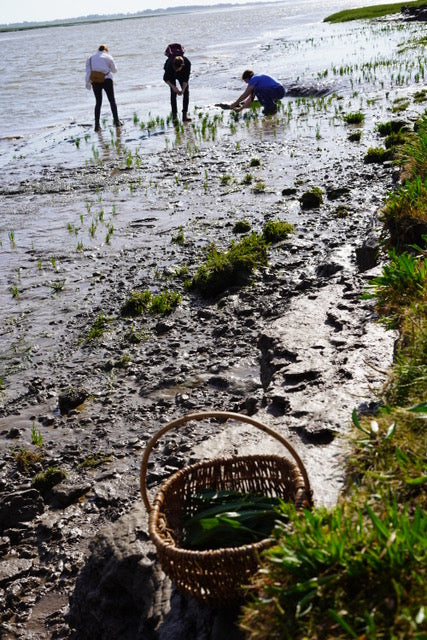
column 229, row 519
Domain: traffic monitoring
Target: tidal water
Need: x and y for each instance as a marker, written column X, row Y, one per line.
column 42, row 70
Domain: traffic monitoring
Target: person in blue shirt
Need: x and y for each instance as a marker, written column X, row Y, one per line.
column 262, row 87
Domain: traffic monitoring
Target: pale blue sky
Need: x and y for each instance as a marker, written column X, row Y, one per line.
column 31, row 10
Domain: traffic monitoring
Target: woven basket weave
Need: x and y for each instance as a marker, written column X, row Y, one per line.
column 216, row 576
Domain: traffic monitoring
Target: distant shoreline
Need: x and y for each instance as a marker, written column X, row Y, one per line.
column 148, row 13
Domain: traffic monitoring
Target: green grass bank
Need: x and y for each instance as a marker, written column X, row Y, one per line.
column 359, row 569
column 377, row 11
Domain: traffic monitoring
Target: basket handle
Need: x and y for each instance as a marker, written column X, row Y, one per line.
column 225, row 415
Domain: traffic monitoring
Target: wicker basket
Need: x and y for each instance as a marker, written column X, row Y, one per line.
column 216, row 576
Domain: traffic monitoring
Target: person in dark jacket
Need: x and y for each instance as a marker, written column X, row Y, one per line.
column 178, row 68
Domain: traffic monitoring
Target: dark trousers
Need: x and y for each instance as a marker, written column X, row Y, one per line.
column 268, row 97
column 185, row 101
column 97, row 87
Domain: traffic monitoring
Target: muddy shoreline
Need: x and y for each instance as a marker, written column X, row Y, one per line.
column 297, row 348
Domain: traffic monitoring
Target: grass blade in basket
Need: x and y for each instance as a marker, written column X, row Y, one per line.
column 229, row 519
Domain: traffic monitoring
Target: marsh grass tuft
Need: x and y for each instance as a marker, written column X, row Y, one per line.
column 140, row 302
column 27, row 460
column 276, row 231
column 98, row 327
column 223, row 269
column 377, row 155
column 46, row 480
column 355, row 117
column 94, row 460
column 179, row 237
column 242, row 226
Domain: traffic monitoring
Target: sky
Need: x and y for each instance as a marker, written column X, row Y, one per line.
column 41, row 10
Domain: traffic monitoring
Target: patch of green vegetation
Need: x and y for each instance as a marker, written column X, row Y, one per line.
column 355, row 136
column 255, row 162
column 242, row 226
column 164, row 303
column 225, row 179
column 136, row 303
column 312, row 198
column 367, row 13
column 377, row 155
column 140, row 302
column 332, row 559
column 57, row 285
column 392, row 126
column 223, row 269
column 45, row 480
column 98, row 327
column 355, row 117
column 341, row 212
column 135, row 336
column 359, row 569
column 26, row 459
column 400, row 104
column 405, row 211
column 36, row 436
column 420, row 96
column 402, row 282
column 94, row 460
column 182, row 271
column 259, row 186
column 277, row 230
column 395, row 139
column 179, row 238
column 248, row 179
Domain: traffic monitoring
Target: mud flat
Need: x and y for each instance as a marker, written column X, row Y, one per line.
column 296, row 347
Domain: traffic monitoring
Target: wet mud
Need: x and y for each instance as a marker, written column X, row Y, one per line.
column 297, row 348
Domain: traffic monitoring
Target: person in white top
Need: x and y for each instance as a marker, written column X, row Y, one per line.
column 103, row 62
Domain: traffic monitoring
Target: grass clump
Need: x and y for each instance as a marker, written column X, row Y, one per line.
column 405, row 211
column 392, row 126
column 98, row 327
column 312, row 198
column 355, row 117
column 276, row 230
column 248, row 179
column 377, row 155
column 255, row 162
column 136, row 303
column 395, row 140
column 26, row 459
column 259, row 186
column 164, row 303
column 94, row 460
column 420, row 96
column 45, row 480
column 179, row 237
column 223, row 269
column 355, row 136
column 140, row 302
column 365, row 13
column 242, row 226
